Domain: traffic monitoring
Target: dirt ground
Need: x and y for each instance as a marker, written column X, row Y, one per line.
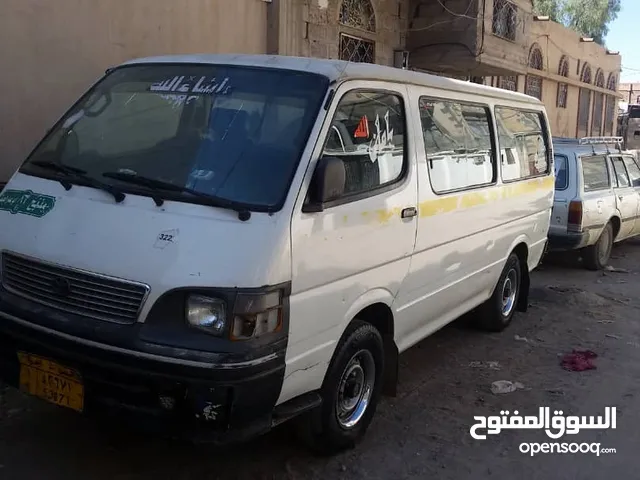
column 424, row 432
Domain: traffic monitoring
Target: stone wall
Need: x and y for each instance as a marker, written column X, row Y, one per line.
column 321, row 37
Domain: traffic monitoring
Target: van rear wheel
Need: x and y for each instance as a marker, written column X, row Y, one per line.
column 350, row 392
column 496, row 313
column 596, row 256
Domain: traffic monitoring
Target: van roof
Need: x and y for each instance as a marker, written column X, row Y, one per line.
column 337, row 70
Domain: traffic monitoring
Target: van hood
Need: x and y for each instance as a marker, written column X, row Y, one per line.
column 176, row 245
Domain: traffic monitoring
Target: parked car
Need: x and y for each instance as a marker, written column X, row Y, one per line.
column 597, row 197
column 224, row 243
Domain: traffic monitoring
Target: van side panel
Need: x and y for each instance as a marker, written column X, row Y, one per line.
column 345, row 258
column 464, row 239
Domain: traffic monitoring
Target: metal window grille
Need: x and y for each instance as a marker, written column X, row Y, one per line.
column 596, row 117
column 585, row 76
column 563, row 88
column 354, row 49
column 611, row 82
column 600, row 79
column 609, row 113
column 358, row 14
column 508, row 83
column 563, row 93
column 505, row 19
column 535, row 58
column 584, row 101
column 563, row 68
column 533, row 86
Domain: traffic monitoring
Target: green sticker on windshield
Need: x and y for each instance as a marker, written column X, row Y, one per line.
column 26, row 202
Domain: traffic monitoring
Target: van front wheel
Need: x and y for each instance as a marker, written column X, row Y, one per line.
column 496, row 314
column 350, row 391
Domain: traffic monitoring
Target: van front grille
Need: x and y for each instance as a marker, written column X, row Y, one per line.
column 73, row 291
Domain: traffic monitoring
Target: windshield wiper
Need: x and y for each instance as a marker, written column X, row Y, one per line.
column 75, row 172
column 244, row 213
column 61, row 168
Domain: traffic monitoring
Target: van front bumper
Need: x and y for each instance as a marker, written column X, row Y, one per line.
column 200, row 400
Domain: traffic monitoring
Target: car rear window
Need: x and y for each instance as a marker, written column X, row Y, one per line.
column 560, row 165
column 595, row 173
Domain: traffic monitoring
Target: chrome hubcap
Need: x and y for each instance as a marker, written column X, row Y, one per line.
column 355, row 389
column 509, row 291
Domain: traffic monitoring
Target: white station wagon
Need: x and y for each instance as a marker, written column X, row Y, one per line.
column 597, row 197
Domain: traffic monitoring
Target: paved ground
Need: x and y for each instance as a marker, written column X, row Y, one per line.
column 424, row 432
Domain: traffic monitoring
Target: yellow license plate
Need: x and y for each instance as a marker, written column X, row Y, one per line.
column 51, row 381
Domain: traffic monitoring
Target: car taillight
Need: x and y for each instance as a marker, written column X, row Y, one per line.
column 574, row 219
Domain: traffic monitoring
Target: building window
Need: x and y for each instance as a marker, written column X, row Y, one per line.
column 563, row 88
column 598, row 105
column 508, row 83
column 505, row 19
column 611, row 82
column 610, row 108
column 585, row 76
column 533, row 83
column 354, row 49
column 358, row 14
column 584, row 102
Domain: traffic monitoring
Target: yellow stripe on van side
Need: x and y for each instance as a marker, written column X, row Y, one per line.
column 439, row 206
column 466, row 200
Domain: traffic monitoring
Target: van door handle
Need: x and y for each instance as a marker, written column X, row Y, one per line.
column 409, row 212
column 621, row 197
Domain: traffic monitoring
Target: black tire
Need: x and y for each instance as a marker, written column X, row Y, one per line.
column 596, row 256
column 496, row 313
column 321, row 429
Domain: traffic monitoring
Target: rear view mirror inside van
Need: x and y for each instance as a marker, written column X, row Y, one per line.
column 327, row 183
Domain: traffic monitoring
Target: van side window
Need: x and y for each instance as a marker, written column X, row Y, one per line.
column 458, row 144
column 368, row 135
column 595, row 173
column 634, row 171
column 521, row 134
column 621, row 172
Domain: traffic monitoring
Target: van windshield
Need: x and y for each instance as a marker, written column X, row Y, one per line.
column 232, row 132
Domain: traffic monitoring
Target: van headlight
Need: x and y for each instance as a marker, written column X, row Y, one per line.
column 207, row 313
column 253, row 315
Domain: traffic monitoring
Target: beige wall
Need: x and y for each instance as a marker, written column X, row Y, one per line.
column 556, row 41
column 52, row 50
column 630, row 92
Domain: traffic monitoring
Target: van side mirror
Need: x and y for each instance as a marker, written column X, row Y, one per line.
column 327, row 184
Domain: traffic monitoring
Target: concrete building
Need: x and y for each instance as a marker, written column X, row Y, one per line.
column 53, row 51
column 630, row 93
column 502, row 42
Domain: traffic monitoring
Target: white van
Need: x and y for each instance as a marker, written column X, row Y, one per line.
column 221, row 243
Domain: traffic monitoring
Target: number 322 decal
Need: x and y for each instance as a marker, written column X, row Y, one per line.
column 168, row 237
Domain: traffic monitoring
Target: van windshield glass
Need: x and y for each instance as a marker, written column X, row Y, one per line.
column 227, row 131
